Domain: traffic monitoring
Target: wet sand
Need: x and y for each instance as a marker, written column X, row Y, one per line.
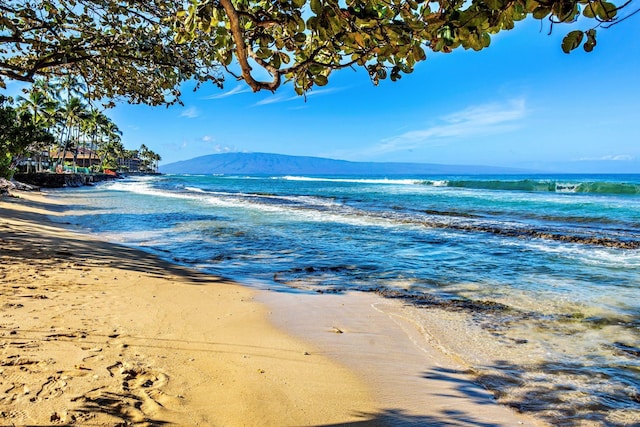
column 93, row 333
column 415, row 380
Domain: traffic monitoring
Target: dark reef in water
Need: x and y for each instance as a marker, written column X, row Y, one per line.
column 428, row 300
column 609, row 242
column 528, row 233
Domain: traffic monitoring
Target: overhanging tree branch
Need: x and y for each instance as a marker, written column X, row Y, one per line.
column 133, row 40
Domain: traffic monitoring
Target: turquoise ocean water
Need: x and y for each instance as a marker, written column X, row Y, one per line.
column 545, row 265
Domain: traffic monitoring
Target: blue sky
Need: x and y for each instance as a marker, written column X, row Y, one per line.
column 522, row 102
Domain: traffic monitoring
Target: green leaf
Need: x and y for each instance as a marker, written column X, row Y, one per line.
column 606, row 11
column 321, row 80
column 316, row 6
column 591, row 40
column 284, row 57
column 227, row 58
column 299, row 3
column 589, row 11
column 572, row 40
column 541, row 12
column 275, row 61
column 494, row 4
column 418, row 53
column 335, row 24
column 485, row 39
column 312, row 23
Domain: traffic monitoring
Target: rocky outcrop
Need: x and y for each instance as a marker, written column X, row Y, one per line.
column 7, row 186
column 60, row 180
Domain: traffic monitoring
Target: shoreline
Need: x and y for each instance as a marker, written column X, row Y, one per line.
column 411, row 372
column 100, row 333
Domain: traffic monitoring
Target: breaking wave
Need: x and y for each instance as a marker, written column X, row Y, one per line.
column 553, row 186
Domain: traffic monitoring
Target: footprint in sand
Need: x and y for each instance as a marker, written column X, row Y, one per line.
column 139, row 398
column 144, row 382
column 13, row 385
column 53, row 387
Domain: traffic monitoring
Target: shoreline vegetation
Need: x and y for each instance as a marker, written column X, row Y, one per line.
column 101, row 334
column 54, row 129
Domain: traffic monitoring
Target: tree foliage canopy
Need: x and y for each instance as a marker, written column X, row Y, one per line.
column 17, row 132
column 305, row 40
column 122, row 48
column 54, row 120
column 142, row 50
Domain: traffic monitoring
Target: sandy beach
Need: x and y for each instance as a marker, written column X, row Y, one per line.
column 93, row 333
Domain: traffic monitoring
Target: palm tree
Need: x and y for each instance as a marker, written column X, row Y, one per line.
column 41, row 107
column 94, row 125
column 60, row 106
column 67, row 87
column 111, row 147
column 69, row 90
column 73, row 111
column 149, row 159
column 156, row 158
column 35, row 103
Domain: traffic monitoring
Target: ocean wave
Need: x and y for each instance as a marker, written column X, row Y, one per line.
column 601, row 256
column 195, row 189
column 531, row 185
column 132, row 186
column 274, row 198
column 325, row 209
column 526, row 185
column 353, row 180
column 551, row 186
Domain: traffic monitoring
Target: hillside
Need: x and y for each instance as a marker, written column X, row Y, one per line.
column 279, row 164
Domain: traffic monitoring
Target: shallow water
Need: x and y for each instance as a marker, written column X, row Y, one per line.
column 546, row 269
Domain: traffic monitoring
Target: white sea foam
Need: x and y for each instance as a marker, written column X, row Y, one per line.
column 195, row 189
column 567, row 187
column 130, row 186
column 354, row 180
column 141, row 238
column 588, row 255
column 309, row 200
column 241, row 200
column 347, row 216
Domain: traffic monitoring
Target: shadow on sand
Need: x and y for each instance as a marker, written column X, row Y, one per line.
column 64, row 246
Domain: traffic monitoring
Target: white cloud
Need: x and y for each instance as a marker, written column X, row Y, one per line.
column 191, row 113
column 274, row 100
column 486, row 119
column 235, row 91
column 317, row 92
column 277, row 99
column 218, row 148
column 616, row 157
column 208, row 142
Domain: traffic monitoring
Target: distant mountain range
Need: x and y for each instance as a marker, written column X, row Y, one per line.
column 280, row 164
